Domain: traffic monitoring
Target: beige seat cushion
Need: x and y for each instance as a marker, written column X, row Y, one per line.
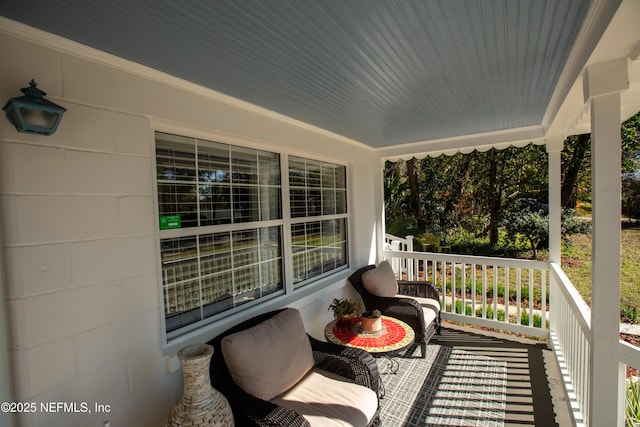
column 430, row 307
column 429, row 315
column 328, row 400
column 425, row 302
column 269, row 358
column 381, row 281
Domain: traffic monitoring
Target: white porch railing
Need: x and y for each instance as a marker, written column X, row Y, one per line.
column 392, row 242
column 505, row 294
column 502, row 293
column 571, row 341
column 629, row 354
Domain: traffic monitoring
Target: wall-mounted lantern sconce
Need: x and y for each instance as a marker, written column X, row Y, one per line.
column 32, row 113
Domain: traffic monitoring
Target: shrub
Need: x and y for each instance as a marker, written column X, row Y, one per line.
column 530, row 219
column 402, row 227
column 524, row 315
column 464, row 242
column 428, row 239
column 572, row 225
column 524, row 319
column 628, row 314
column 501, row 313
column 632, row 414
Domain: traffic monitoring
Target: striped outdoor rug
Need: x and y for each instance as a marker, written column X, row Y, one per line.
column 450, row 387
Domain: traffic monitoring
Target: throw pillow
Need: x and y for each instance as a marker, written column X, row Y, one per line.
column 381, row 281
column 269, row 358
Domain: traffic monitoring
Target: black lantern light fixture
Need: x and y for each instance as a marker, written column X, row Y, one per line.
column 32, row 113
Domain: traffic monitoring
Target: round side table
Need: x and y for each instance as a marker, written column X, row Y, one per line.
column 394, row 337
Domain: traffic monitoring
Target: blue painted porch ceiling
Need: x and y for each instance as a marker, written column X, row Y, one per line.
column 379, row 72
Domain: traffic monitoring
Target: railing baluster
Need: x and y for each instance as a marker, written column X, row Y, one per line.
column 507, row 294
column 463, row 288
column 518, row 296
column 453, row 287
column 473, row 290
column 531, row 297
column 444, row 285
column 410, row 270
column 484, row 291
column 434, row 272
column 581, row 366
column 495, row 292
column 543, row 297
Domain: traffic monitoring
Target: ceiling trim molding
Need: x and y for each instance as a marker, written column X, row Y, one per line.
column 69, row 47
column 466, row 144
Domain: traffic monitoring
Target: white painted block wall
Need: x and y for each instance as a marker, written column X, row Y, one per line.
column 78, row 218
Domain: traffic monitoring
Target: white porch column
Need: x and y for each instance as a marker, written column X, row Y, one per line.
column 603, row 83
column 381, row 227
column 554, row 149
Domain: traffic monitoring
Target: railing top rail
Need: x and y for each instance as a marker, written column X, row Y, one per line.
column 573, row 298
column 400, row 239
column 629, row 354
column 471, row 259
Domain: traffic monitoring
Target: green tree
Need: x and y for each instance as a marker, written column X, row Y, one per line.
column 630, row 137
column 510, row 174
column 444, row 193
column 395, row 191
column 631, row 197
column 529, row 219
column 414, row 199
column 576, row 176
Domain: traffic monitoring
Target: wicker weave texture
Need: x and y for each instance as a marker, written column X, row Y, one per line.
column 354, row 364
column 200, row 404
column 404, row 308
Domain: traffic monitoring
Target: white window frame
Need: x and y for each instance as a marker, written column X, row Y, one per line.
column 289, row 288
column 323, row 217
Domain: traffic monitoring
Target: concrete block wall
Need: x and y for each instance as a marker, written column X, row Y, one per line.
column 78, row 223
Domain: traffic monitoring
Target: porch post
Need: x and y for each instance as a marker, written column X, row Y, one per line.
column 603, row 83
column 554, row 149
column 381, row 227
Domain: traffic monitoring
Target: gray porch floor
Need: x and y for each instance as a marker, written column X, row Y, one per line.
column 535, row 395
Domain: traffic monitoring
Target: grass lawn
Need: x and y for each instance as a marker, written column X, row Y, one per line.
column 576, row 263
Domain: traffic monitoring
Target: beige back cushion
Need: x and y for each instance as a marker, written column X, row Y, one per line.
column 269, row 358
column 381, row 281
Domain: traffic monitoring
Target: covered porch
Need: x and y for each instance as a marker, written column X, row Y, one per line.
column 522, row 297
column 79, row 213
column 534, row 394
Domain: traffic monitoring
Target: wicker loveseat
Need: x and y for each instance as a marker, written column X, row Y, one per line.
column 414, row 302
column 339, row 388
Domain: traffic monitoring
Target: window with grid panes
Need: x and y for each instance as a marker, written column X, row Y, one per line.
column 221, row 225
column 318, row 201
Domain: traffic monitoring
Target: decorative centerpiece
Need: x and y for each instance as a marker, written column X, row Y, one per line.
column 344, row 311
column 200, row 404
column 371, row 321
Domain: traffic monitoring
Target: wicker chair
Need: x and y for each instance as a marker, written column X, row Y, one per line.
column 409, row 305
column 353, row 364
